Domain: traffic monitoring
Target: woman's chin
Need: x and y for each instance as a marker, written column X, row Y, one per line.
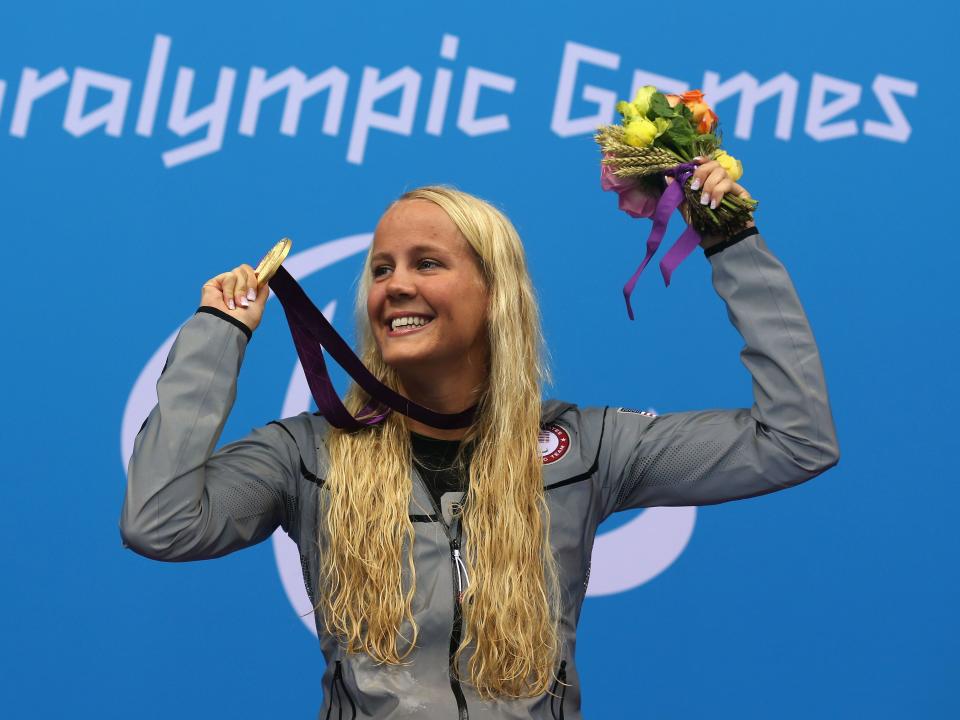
column 406, row 360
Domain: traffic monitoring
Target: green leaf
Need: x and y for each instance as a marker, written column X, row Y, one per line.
column 660, row 107
column 681, row 134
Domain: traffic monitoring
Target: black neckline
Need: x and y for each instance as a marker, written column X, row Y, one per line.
column 436, row 442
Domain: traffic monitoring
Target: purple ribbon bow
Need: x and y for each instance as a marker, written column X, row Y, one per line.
column 638, row 204
column 311, row 330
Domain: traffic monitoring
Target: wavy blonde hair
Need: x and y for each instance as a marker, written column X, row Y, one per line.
column 510, row 608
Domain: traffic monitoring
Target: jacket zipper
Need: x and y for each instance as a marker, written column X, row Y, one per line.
column 337, row 685
column 559, row 684
column 456, row 632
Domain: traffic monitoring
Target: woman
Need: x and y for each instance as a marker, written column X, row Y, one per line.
column 448, row 568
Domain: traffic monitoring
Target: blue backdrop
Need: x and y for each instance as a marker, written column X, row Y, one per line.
column 141, row 152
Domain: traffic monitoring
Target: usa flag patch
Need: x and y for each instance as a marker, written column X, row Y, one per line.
column 647, row 413
column 554, row 442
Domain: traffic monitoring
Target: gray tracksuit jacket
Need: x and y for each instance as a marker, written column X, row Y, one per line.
column 186, row 502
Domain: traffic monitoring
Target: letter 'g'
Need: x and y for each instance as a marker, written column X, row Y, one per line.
column 606, row 100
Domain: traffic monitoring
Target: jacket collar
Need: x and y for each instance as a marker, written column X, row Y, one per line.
column 550, row 410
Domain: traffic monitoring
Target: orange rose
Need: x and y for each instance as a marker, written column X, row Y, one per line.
column 707, row 121
column 705, row 118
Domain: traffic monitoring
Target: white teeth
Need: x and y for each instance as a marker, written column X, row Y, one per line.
column 409, row 320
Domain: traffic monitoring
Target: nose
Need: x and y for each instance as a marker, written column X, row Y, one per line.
column 400, row 284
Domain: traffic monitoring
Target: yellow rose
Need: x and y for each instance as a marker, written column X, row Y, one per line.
column 642, row 99
column 729, row 163
column 627, row 110
column 640, row 132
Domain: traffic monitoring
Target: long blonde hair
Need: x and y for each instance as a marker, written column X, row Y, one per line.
column 510, row 608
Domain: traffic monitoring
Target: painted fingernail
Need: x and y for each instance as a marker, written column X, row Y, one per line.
column 704, row 199
column 251, row 294
column 243, row 301
column 713, row 204
column 695, row 185
column 231, row 305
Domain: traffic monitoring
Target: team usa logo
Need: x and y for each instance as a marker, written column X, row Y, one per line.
column 554, row 443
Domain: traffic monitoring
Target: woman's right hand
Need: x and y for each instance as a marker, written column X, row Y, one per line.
column 235, row 293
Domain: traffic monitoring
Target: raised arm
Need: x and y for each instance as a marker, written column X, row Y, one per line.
column 785, row 438
column 183, row 501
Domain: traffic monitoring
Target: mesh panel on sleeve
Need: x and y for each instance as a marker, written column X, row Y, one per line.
column 291, row 507
column 676, row 465
column 241, row 502
column 307, row 579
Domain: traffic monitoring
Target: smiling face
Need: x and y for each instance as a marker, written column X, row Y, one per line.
column 427, row 302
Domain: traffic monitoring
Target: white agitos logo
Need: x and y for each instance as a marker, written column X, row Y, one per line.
column 623, row 558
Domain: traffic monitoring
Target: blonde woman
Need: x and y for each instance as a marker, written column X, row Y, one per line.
column 448, row 567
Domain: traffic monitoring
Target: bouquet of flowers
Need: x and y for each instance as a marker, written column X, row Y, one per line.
column 659, row 136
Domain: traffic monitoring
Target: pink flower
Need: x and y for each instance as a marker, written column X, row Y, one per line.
column 633, row 201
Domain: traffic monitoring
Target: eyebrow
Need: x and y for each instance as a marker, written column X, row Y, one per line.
column 416, row 249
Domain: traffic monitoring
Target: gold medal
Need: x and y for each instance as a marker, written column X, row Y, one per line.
column 271, row 261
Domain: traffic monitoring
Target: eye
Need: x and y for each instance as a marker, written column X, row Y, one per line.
column 428, row 264
column 380, row 270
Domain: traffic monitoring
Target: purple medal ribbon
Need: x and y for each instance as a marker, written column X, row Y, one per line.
column 311, row 330
column 669, row 201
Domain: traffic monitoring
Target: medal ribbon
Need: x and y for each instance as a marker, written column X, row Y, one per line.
column 311, row 331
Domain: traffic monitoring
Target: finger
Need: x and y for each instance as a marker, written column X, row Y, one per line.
column 716, row 197
column 702, row 173
column 248, row 290
column 699, row 160
column 715, row 186
column 250, row 281
column 240, row 288
column 227, row 282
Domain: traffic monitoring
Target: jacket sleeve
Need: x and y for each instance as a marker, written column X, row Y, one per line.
column 785, row 438
column 183, row 501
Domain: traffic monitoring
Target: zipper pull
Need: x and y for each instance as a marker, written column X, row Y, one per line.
column 461, row 566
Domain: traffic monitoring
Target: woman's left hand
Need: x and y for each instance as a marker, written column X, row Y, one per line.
column 715, row 183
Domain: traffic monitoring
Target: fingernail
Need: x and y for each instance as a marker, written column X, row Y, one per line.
column 695, row 185
column 243, row 301
column 704, row 199
column 713, row 204
column 231, row 305
column 251, row 294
